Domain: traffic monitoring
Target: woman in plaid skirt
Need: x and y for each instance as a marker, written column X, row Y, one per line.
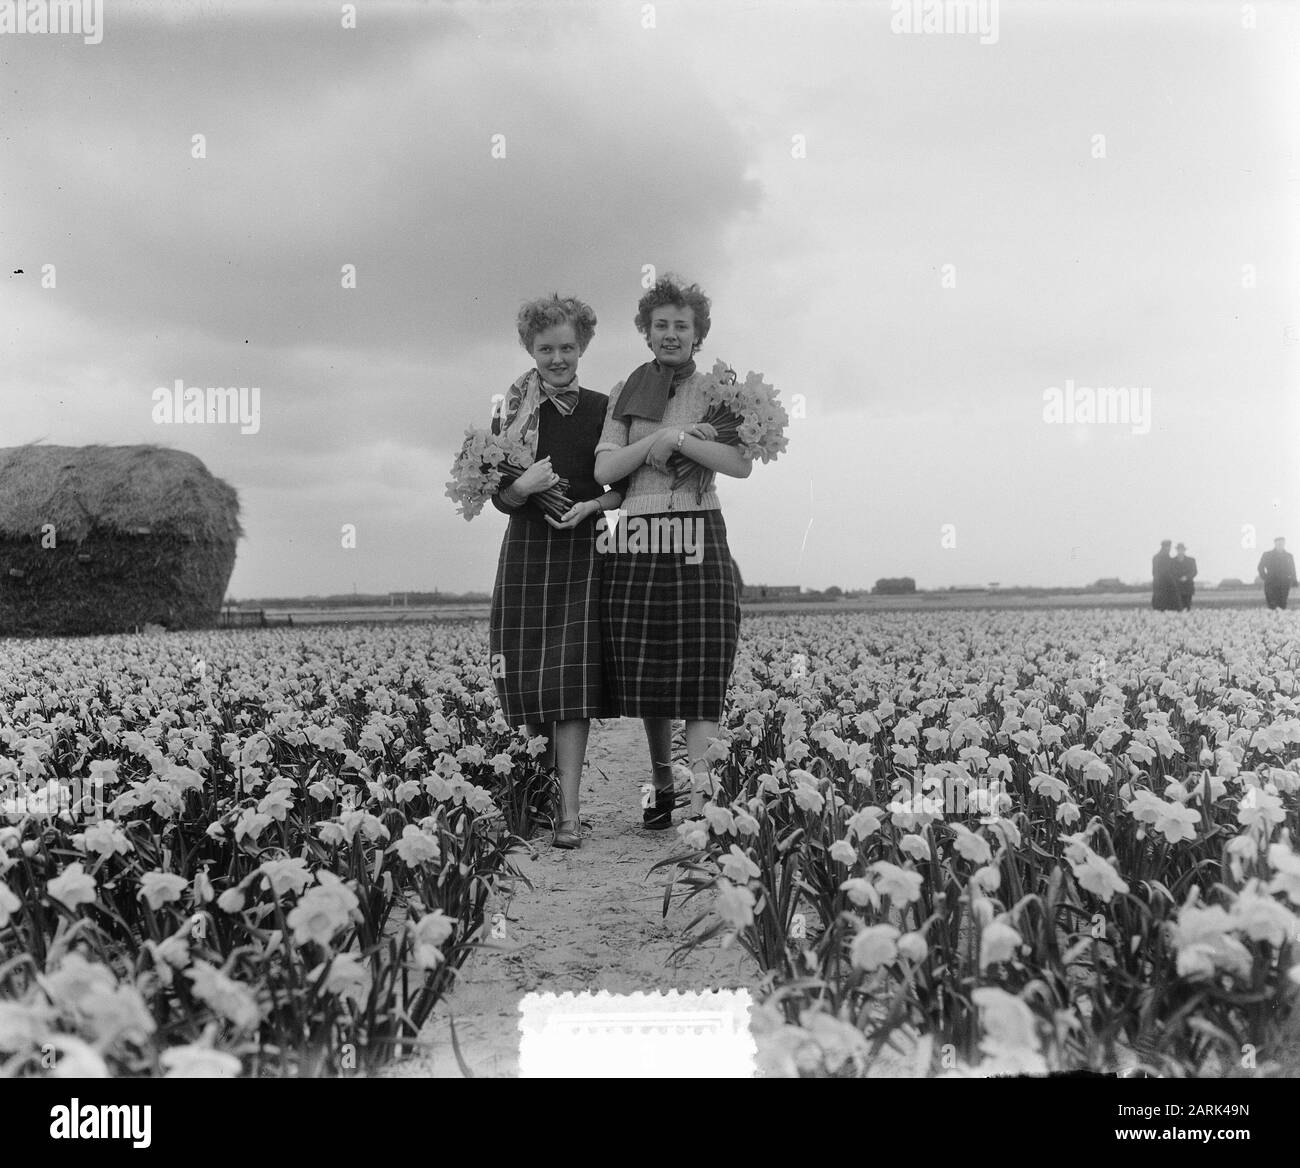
column 544, row 630
column 670, row 605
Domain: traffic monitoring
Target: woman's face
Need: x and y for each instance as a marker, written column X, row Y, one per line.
column 556, row 353
column 672, row 334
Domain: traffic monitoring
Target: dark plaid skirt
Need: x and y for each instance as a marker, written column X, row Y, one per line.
column 670, row 626
column 544, row 632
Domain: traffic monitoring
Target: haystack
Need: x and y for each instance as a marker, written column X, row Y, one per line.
column 106, row 539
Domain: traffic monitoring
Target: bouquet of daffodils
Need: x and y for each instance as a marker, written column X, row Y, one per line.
column 747, row 414
column 486, row 463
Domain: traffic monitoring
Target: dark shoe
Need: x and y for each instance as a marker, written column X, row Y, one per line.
column 568, row 834
column 659, row 814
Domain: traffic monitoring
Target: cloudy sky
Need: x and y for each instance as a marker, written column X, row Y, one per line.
column 921, row 234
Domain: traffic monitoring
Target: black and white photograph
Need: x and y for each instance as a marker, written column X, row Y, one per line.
column 610, row 539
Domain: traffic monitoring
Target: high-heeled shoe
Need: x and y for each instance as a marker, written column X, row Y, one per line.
column 659, row 814
column 568, row 834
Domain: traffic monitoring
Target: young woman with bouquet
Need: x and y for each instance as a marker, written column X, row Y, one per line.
column 544, row 630
column 671, row 619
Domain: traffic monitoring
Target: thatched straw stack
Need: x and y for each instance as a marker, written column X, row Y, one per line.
column 142, row 535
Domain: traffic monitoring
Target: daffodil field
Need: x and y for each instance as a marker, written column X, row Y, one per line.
column 1015, row 841
column 300, row 834
column 1033, row 841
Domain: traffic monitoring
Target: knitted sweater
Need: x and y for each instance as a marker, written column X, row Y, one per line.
column 650, row 491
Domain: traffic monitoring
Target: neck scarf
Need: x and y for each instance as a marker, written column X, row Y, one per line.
column 646, row 391
column 518, row 417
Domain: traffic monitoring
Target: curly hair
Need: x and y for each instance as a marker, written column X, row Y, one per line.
column 536, row 316
column 670, row 290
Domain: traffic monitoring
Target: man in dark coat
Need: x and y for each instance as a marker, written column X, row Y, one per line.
column 1277, row 570
column 1184, row 574
column 1164, row 590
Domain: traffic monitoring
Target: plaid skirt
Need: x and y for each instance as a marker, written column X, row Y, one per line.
column 670, row 625
column 544, row 630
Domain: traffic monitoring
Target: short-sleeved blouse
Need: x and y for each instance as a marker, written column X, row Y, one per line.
column 650, row 491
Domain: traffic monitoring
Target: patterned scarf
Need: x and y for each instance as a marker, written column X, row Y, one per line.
column 518, row 417
column 648, row 388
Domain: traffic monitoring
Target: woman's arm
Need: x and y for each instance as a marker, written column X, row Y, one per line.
column 609, row 501
column 536, row 477
column 612, row 465
column 715, row 456
column 508, row 500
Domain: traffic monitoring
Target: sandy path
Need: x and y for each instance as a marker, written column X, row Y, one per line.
column 591, row 921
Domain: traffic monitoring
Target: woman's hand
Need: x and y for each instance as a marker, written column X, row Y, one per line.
column 537, row 477
column 662, row 447
column 574, row 515
column 703, row 431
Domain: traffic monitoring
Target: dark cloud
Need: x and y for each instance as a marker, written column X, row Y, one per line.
column 372, row 148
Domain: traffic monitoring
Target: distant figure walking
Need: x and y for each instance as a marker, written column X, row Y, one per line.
column 1164, row 589
column 1184, row 574
column 1277, row 570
